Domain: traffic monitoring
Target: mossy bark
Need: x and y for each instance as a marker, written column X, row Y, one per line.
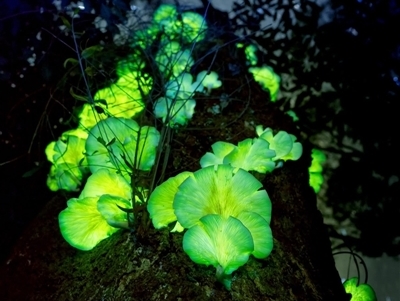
column 43, row 266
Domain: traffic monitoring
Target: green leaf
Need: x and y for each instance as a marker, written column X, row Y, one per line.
column 78, row 97
column 101, row 101
column 81, row 161
column 111, row 142
column 71, row 60
column 126, row 210
column 99, row 110
column 31, row 172
column 90, row 71
column 101, row 141
column 90, row 51
column 65, row 22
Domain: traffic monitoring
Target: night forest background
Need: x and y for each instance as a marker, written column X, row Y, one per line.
column 340, row 69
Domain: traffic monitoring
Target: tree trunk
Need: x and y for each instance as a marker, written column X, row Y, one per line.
column 43, row 266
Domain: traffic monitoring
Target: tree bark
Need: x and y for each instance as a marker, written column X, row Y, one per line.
column 43, row 266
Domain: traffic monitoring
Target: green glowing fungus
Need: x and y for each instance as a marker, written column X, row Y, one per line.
column 82, row 225
column 161, row 200
column 69, row 163
column 250, row 52
column 124, row 98
column 93, row 216
column 186, row 28
column 165, row 18
column 282, row 143
column 315, row 170
column 193, row 27
column 89, row 116
column 113, row 143
column 225, row 212
column 252, row 154
column 224, row 243
column 216, row 202
column 268, row 80
column 208, row 80
column 172, row 60
column 359, row 292
column 293, row 114
column 104, row 181
column 177, row 107
column 220, row 191
column 261, row 154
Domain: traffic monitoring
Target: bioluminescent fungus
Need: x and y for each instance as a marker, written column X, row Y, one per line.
column 82, row 225
column 260, row 231
column 220, row 190
column 165, row 17
column 182, row 87
column 208, row 80
column 250, row 52
column 224, row 243
column 94, row 215
column 228, row 200
column 161, row 199
column 174, row 112
column 131, row 66
column 249, row 154
column 315, row 170
column 220, row 150
column 64, row 176
column 89, row 116
column 172, row 60
column 359, row 292
column 252, row 154
column 186, row 28
column 124, row 98
column 105, row 181
column 121, row 144
column 293, row 114
column 284, row 144
column 177, row 107
column 193, row 27
column 267, row 79
column 68, row 159
column 225, row 212
column 260, row 154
